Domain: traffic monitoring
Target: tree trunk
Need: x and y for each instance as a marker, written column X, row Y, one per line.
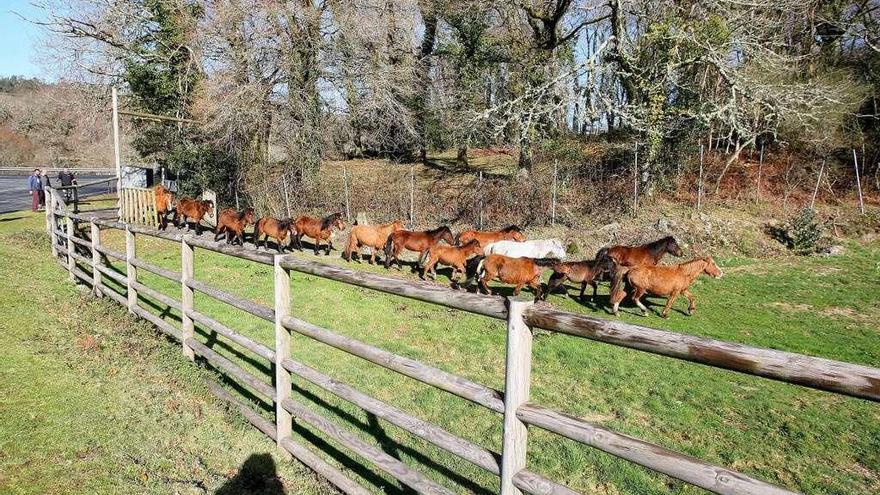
column 740, row 145
column 423, row 79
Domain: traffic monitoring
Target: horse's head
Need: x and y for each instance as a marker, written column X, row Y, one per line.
column 445, row 234
column 514, row 233
column 711, row 268
column 672, row 246
column 473, row 247
column 249, row 216
column 396, row 225
column 208, row 206
column 604, row 264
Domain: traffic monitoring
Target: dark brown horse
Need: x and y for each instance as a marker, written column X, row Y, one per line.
column 580, row 272
column 454, row 256
column 486, row 237
column 232, row 223
column 276, row 229
column 418, row 241
column 195, row 209
column 317, row 229
column 647, row 254
column 164, row 204
column 665, row 281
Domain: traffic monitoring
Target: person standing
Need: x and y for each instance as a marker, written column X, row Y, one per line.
column 67, row 178
column 34, row 186
column 44, row 183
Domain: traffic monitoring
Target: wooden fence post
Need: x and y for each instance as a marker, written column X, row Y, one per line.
column 47, row 193
column 187, row 328
column 518, row 371
column 130, row 270
column 71, row 263
column 282, row 351
column 53, row 223
column 96, row 258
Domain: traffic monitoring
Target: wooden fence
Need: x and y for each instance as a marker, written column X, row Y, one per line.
column 139, row 206
column 513, row 405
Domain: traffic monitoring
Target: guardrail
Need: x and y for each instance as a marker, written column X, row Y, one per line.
column 513, row 404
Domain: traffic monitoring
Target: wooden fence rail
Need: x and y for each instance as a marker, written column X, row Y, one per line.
column 78, row 254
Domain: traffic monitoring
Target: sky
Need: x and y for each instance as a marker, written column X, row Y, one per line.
column 18, row 39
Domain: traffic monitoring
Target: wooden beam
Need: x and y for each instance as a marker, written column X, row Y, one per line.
column 153, row 116
column 70, row 248
column 517, row 378
column 186, row 297
column 215, row 326
column 283, row 419
column 130, row 270
column 96, row 258
column 241, row 303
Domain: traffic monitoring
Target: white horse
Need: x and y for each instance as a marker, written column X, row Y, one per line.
column 544, row 248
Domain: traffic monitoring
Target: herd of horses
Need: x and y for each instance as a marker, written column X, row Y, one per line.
column 478, row 256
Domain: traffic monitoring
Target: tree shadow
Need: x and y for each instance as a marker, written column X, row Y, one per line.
column 257, row 476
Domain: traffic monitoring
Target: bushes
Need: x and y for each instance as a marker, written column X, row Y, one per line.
column 802, row 233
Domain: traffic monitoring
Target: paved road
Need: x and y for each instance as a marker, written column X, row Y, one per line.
column 14, row 195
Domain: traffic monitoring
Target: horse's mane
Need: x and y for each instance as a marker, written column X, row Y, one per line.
column 512, row 228
column 657, row 246
column 327, row 221
column 243, row 213
column 438, row 230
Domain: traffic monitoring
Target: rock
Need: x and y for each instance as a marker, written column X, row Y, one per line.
column 611, row 227
column 664, row 224
column 835, row 250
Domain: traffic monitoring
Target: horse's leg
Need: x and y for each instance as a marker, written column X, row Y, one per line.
column 616, row 297
column 535, row 284
column 669, row 302
column 517, row 289
column 637, row 294
column 396, row 255
column 595, row 284
column 692, row 301
column 317, row 244
column 372, row 255
column 583, row 288
column 329, row 245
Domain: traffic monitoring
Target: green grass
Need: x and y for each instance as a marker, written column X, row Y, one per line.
column 803, row 439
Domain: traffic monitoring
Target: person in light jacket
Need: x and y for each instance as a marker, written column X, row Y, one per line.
column 44, row 183
column 34, row 186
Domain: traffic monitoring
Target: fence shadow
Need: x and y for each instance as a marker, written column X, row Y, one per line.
column 257, row 476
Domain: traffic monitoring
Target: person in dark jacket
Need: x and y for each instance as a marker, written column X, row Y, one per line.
column 34, row 189
column 44, row 183
column 67, row 178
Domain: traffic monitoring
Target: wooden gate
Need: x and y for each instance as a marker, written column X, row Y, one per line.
column 139, row 206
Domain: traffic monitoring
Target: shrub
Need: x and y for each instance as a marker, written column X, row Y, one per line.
column 801, row 233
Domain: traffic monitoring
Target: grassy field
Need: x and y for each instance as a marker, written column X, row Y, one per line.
column 805, row 440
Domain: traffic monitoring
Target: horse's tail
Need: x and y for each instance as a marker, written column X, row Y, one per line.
column 472, row 268
column 388, row 243
column 617, row 275
column 546, row 262
column 457, row 239
column 257, row 234
column 602, row 254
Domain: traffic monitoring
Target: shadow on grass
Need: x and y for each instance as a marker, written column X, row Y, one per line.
column 257, row 475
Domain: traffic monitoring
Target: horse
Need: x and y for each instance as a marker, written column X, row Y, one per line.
column 454, row 256
column 666, row 281
column 511, row 233
column 517, row 271
column 164, row 204
column 372, row 236
column 582, row 272
column 233, row 223
column 647, row 254
column 419, row 241
column 548, row 248
column 317, row 229
column 276, row 229
column 194, row 209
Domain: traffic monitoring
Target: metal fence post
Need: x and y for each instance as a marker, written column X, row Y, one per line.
column 518, row 369
column 71, row 263
column 282, row 350
column 130, row 270
column 96, row 258
column 187, row 328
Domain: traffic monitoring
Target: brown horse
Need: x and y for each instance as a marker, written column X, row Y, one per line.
column 666, row 281
column 517, row 271
column 276, row 229
column 232, row 223
column 454, row 256
column 647, row 254
column 317, row 229
column 195, row 209
column 164, row 204
column 372, row 236
column 512, row 233
column 414, row 241
column 582, row 272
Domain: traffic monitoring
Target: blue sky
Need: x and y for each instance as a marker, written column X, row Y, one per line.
column 18, row 39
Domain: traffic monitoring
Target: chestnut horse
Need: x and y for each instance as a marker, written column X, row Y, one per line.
column 317, row 229
column 195, row 209
column 414, row 241
column 486, row 237
column 646, row 254
column 666, row 281
column 276, row 229
column 372, row 236
column 232, row 223
column 582, row 272
column 517, row 271
column 454, row 256
column 164, row 204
